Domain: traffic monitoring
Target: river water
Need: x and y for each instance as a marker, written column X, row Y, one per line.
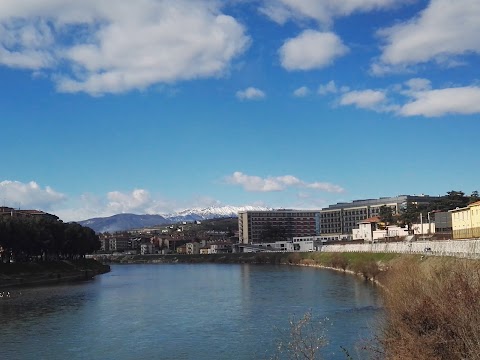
column 181, row 311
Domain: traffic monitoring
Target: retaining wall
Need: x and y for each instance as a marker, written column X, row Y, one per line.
column 459, row 248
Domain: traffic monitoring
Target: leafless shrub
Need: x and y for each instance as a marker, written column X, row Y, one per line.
column 303, row 340
column 339, row 261
column 294, row 258
column 369, row 269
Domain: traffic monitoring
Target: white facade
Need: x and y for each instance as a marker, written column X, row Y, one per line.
column 365, row 231
column 298, row 244
column 220, row 248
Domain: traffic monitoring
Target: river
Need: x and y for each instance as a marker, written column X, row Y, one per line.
column 182, row 311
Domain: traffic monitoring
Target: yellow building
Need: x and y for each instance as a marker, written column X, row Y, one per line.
column 466, row 221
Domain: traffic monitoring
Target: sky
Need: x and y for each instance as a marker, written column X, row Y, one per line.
column 156, row 106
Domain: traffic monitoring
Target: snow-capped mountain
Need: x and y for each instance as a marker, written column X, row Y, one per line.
column 122, row 222
column 212, row 212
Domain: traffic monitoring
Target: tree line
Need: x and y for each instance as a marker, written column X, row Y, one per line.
column 25, row 239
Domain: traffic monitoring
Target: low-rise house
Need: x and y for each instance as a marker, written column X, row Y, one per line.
column 223, row 247
column 204, row 250
column 182, row 249
column 365, row 229
column 466, row 221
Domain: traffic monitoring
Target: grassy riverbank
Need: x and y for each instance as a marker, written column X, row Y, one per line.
column 51, row 272
column 369, row 265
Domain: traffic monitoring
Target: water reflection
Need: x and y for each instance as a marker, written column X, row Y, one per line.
column 206, row 311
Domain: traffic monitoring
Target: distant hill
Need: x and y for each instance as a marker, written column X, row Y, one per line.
column 123, row 222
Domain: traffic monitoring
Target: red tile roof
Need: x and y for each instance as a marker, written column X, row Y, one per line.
column 373, row 219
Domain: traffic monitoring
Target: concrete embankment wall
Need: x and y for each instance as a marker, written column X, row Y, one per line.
column 459, row 248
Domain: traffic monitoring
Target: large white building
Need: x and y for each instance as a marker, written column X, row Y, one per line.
column 338, row 221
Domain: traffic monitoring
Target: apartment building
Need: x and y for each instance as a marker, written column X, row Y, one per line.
column 255, row 226
column 337, row 221
column 119, row 243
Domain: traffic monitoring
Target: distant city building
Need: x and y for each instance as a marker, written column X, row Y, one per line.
column 298, row 244
column 119, row 243
column 104, row 244
column 466, row 221
column 193, row 248
column 255, row 226
column 223, row 247
column 337, row 221
column 442, row 221
column 147, row 248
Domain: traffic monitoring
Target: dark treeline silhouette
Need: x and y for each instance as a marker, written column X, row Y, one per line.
column 25, row 239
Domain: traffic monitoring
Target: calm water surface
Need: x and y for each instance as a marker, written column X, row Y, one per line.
column 201, row 311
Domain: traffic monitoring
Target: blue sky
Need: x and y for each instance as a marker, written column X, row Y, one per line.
column 154, row 106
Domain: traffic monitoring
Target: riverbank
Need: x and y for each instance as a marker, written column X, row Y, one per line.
column 49, row 273
column 368, row 265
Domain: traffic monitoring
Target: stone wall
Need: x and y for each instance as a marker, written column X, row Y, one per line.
column 459, row 248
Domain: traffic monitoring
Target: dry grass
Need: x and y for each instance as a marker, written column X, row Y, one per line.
column 432, row 310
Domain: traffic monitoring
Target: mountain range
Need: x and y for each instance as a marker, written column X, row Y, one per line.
column 123, row 222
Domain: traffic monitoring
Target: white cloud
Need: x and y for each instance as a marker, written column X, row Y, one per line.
column 278, row 183
column 137, row 201
column 328, row 88
column 119, row 46
column 418, row 84
column 419, row 99
column 250, row 93
column 120, row 202
column 445, row 29
column 311, row 50
column 29, row 195
column 301, row 91
column 322, row 11
column 438, row 102
column 364, row 99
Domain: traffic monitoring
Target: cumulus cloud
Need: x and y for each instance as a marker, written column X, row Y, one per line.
column 301, row 91
column 120, row 202
column 311, row 50
column 419, row 99
column 250, row 93
column 29, row 195
column 331, row 88
column 278, row 183
column 364, row 99
column 137, row 201
column 323, row 11
column 431, row 103
column 445, row 29
column 97, row 47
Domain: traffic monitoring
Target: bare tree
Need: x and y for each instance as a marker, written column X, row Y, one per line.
column 303, row 339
